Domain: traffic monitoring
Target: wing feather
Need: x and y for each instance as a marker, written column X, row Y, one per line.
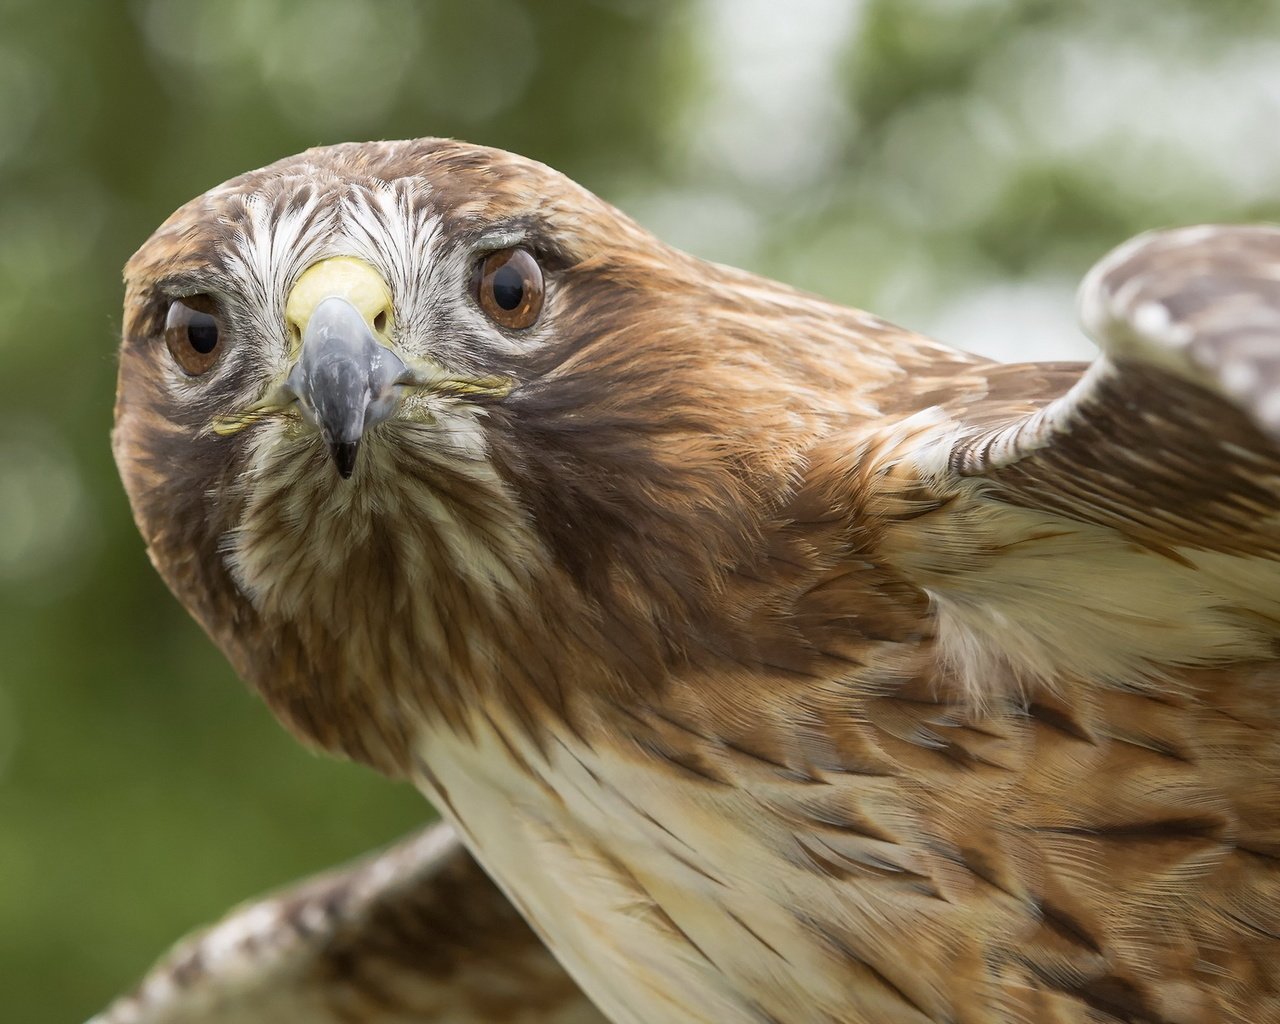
column 1171, row 435
column 416, row 933
column 1085, row 706
column 1127, row 525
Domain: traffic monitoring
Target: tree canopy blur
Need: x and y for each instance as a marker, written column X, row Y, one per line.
column 954, row 165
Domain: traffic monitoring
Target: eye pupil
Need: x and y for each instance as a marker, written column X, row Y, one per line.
column 202, row 333
column 508, row 287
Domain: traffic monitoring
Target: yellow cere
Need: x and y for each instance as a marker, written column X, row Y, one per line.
column 348, row 277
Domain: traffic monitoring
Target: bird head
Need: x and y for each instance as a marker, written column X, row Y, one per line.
column 397, row 409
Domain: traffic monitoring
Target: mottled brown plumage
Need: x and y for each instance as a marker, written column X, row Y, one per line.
column 780, row 665
column 416, row 932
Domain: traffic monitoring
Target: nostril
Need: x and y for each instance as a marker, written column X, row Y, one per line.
column 380, row 321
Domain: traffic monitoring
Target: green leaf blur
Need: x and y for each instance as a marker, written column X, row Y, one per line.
column 952, row 164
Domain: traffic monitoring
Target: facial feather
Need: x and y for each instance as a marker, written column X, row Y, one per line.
column 633, row 467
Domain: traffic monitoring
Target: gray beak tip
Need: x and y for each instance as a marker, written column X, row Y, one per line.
column 344, row 457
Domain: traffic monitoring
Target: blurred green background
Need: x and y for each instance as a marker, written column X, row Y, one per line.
column 952, row 164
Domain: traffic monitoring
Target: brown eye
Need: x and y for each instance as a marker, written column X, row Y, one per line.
column 511, row 289
column 192, row 333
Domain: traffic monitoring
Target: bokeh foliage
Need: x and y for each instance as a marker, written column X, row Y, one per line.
column 954, row 164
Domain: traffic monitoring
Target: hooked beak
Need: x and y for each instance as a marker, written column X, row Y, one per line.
column 345, row 377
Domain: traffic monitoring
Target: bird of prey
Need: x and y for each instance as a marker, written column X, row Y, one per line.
column 779, row 665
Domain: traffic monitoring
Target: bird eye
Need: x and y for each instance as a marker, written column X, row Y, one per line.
column 510, row 288
column 192, row 333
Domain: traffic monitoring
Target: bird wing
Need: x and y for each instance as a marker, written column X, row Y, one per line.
column 1127, row 525
column 415, row 933
column 1024, row 764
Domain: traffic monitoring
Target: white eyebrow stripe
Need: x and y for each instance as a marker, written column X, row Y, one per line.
column 501, row 239
column 267, row 247
column 395, row 229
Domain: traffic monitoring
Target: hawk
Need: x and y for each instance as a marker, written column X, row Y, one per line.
column 778, row 665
